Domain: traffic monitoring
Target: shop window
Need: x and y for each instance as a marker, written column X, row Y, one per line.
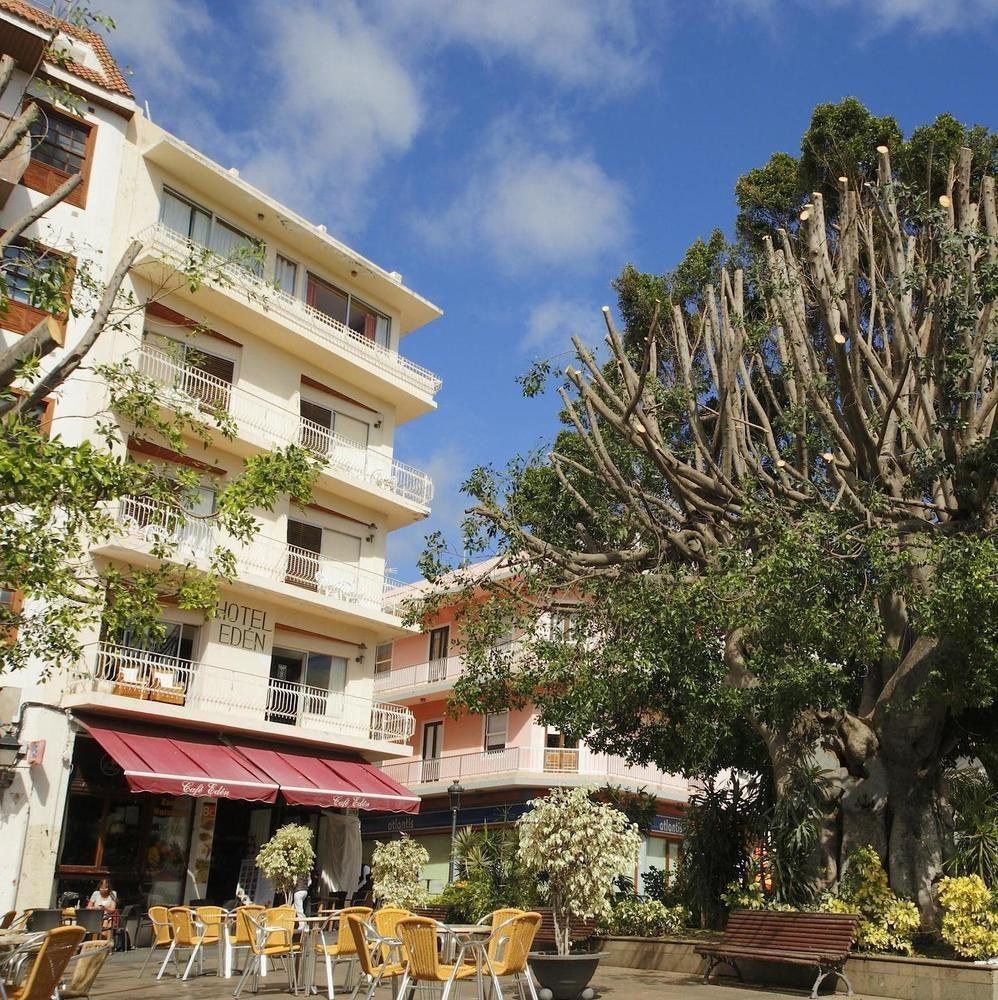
column 61, row 146
column 84, row 820
column 122, row 829
column 496, row 731
column 383, row 658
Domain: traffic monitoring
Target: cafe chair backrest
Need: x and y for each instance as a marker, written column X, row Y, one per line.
column 280, row 924
column 182, row 922
column 345, row 942
column 211, row 918
column 7, row 919
column 92, row 921
column 497, row 919
column 518, row 934
column 93, row 955
column 44, row 920
column 419, row 938
column 386, row 920
column 50, row 962
column 159, row 917
column 361, row 945
column 245, row 932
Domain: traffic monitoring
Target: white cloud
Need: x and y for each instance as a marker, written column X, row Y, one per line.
column 448, row 467
column 553, row 321
column 587, row 43
column 877, row 16
column 533, row 205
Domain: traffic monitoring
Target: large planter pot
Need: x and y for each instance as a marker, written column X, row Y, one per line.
column 564, row 976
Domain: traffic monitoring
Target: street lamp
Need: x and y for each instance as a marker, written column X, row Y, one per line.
column 454, row 790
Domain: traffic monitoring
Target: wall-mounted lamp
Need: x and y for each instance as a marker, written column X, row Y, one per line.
column 10, row 754
column 361, row 650
column 371, row 529
column 377, row 423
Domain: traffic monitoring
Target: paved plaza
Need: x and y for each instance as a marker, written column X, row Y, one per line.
column 119, row 978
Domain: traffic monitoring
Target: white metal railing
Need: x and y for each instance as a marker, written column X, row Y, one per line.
column 269, row 425
column 150, row 676
column 600, row 768
column 429, row 672
column 346, row 582
column 299, row 315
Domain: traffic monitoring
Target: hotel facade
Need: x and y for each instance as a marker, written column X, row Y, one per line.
column 164, row 766
column 500, row 761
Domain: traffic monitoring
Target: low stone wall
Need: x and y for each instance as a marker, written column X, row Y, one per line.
column 888, row 976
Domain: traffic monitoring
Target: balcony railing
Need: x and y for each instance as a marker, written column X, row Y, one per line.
column 149, row 676
column 269, row 425
column 298, row 315
column 598, row 768
column 447, row 668
column 153, row 522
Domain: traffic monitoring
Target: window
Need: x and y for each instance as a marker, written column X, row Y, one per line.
column 344, row 308
column 197, row 224
column 60, row 141
column 205, row 376
column 302, row 683
column 439, row 641
column 285, row 274
column 561, row 752
column 383, row 658
column 184, row 217
column 178, row 641
column 562, row 624
column 496, row 726
column 327, row 299
column 35, row 276
column 369, row 324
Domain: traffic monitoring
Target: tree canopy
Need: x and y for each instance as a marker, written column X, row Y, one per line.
column 764, row 538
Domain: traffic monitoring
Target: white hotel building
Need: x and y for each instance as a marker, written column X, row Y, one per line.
column 165, row 769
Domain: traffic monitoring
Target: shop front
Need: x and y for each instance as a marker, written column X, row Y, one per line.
column 172, row 815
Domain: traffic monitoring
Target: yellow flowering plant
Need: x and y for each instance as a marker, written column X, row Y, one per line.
column 970, row 916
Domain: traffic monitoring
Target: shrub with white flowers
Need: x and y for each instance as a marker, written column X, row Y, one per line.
column 287, row 857
column 395, row 872
column 576, row 847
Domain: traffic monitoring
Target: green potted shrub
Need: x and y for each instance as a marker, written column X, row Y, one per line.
column 287, row 858
column 396, row 869
column 576, row 848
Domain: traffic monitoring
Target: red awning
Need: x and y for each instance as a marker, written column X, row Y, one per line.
column 329, row 783
column 174, row 762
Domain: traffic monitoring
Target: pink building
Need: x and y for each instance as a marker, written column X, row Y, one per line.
column 501, row 761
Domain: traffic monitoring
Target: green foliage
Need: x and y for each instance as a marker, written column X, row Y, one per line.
column 639, row 806
column 970, row 916
column 646, row 918
column 467, row 900
column 889, row 923
column 488, row 862
column 975, row 819
column 576, row 847
column 396, row 870
column 287, row 857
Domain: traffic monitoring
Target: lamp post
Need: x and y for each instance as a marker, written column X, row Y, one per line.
column 454, row 790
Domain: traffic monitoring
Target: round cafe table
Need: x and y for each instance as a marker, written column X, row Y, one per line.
column 311, row 935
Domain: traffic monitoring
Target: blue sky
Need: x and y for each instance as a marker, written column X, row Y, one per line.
column 509, row 156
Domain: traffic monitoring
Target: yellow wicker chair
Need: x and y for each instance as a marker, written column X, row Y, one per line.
column 375, row 971
column 162, row 933
column 508, row 949
column 423, row 965
column 344, row 948
column 49, row 964
column 273, row 937
column 87, row 965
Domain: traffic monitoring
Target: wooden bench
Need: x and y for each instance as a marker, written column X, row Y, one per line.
column 819, row 939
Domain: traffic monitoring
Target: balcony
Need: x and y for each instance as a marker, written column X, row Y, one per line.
column 147, row 683
column 360, row 473
column 298, row 326
column 343, row 586
column 532, row 766
column 420, row 678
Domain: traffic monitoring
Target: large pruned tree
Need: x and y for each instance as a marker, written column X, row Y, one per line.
column 776, row 504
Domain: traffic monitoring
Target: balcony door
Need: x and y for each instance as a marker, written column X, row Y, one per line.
column 304, row 549
column 305, row 684
column 561, row 752
column 326, row 299
column 439, row 644
column 433, row 744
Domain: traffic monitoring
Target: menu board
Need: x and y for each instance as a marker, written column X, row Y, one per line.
column 201, row 840
column 166, row 851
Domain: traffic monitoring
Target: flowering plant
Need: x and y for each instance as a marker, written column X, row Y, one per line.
column 287, row 857
column 576, row 848
column 395, row 872
column 646, row 918
column 970, row 916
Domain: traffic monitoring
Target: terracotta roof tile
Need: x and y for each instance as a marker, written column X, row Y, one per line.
column 110, row 79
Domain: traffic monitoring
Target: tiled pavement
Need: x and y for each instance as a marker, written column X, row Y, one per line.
column 119, row 979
